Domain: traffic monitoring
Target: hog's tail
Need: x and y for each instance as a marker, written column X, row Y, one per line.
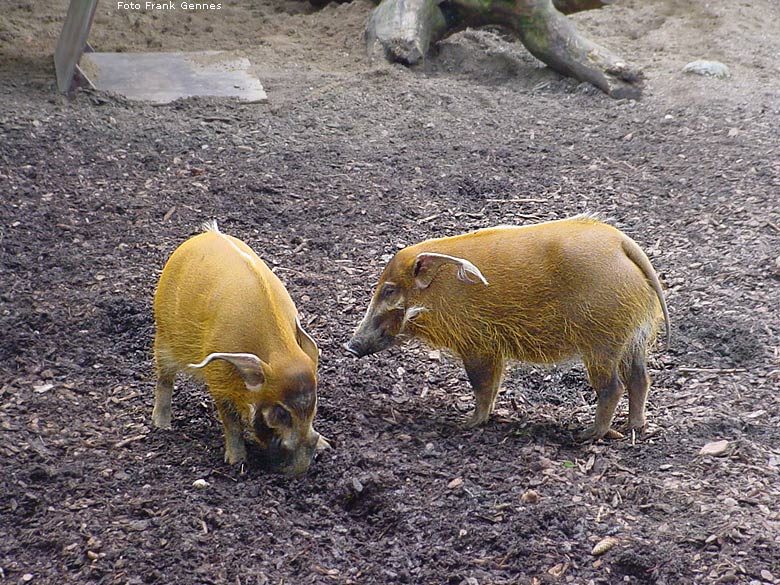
column 638, row 257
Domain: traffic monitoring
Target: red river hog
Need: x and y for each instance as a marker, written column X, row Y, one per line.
column 223, row 317
column 548, row 293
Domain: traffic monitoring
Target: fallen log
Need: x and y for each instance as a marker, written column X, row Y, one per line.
column 404, row 30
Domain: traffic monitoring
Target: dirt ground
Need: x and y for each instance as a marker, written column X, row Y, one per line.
column 346, row 162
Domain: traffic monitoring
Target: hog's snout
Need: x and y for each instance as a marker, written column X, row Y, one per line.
column 299, row 462
column 355, row 349
column 361, row 346
column 291, row 462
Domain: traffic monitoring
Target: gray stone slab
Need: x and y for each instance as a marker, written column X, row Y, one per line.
column 164, row 77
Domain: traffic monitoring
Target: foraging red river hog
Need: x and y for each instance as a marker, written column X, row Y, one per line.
column 225, row 318
column 548, row 293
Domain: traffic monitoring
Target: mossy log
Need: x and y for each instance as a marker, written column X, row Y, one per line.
column 404, row 30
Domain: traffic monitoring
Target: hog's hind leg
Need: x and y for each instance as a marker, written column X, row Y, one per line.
column 485, row 376
column 608, row 387
column 634, row 373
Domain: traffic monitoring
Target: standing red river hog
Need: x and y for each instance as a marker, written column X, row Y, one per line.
column 225, row 318
column 549, row 293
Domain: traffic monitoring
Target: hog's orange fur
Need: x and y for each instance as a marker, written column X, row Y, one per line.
column 216, row 295
column 546, row 293
column 557, row 291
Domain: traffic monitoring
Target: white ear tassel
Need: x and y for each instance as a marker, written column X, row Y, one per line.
column 412, row 312
column 249, row 366
column 467, row 268
column 235, row 358
column 464, row 266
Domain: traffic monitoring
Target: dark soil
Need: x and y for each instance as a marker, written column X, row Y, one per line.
column 346, row 163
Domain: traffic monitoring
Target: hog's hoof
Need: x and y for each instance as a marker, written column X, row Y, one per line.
column 322, row 444
column 238, row 466
column 236, row 457
column 476, row 420
column 594, row 434
column 635, row 425
column 162, row 420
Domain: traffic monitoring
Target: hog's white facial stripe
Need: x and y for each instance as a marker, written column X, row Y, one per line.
column 411, row 313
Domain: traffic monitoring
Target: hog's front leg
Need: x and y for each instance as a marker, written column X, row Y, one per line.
column 485, row 375
column 161, row 413
column 235, row 449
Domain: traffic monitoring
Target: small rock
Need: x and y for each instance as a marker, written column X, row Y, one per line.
column 707, row 68
column 767, row 576
column 27, row 577
column 457, row 482
column 715, row 448
column 530, row 497
column 604, row 545
column 728, row 577
column 200, row 483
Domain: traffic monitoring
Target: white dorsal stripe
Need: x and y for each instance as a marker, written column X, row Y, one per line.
column 211, row 226
column 246, row 256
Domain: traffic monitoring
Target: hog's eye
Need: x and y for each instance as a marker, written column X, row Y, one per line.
column 387, row 291
column 278, row 416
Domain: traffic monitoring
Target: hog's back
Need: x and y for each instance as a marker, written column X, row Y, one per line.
column 556, row 291
column 216, row 295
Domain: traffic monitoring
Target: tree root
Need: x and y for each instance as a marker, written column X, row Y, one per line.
column 403, row 31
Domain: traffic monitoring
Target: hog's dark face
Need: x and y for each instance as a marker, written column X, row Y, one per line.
column 383, row 321
column 401, row 296
column 283, row 428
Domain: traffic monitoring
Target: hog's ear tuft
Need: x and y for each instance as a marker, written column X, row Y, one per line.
column 427, row 265
column 249, row 366
column 306, row 342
